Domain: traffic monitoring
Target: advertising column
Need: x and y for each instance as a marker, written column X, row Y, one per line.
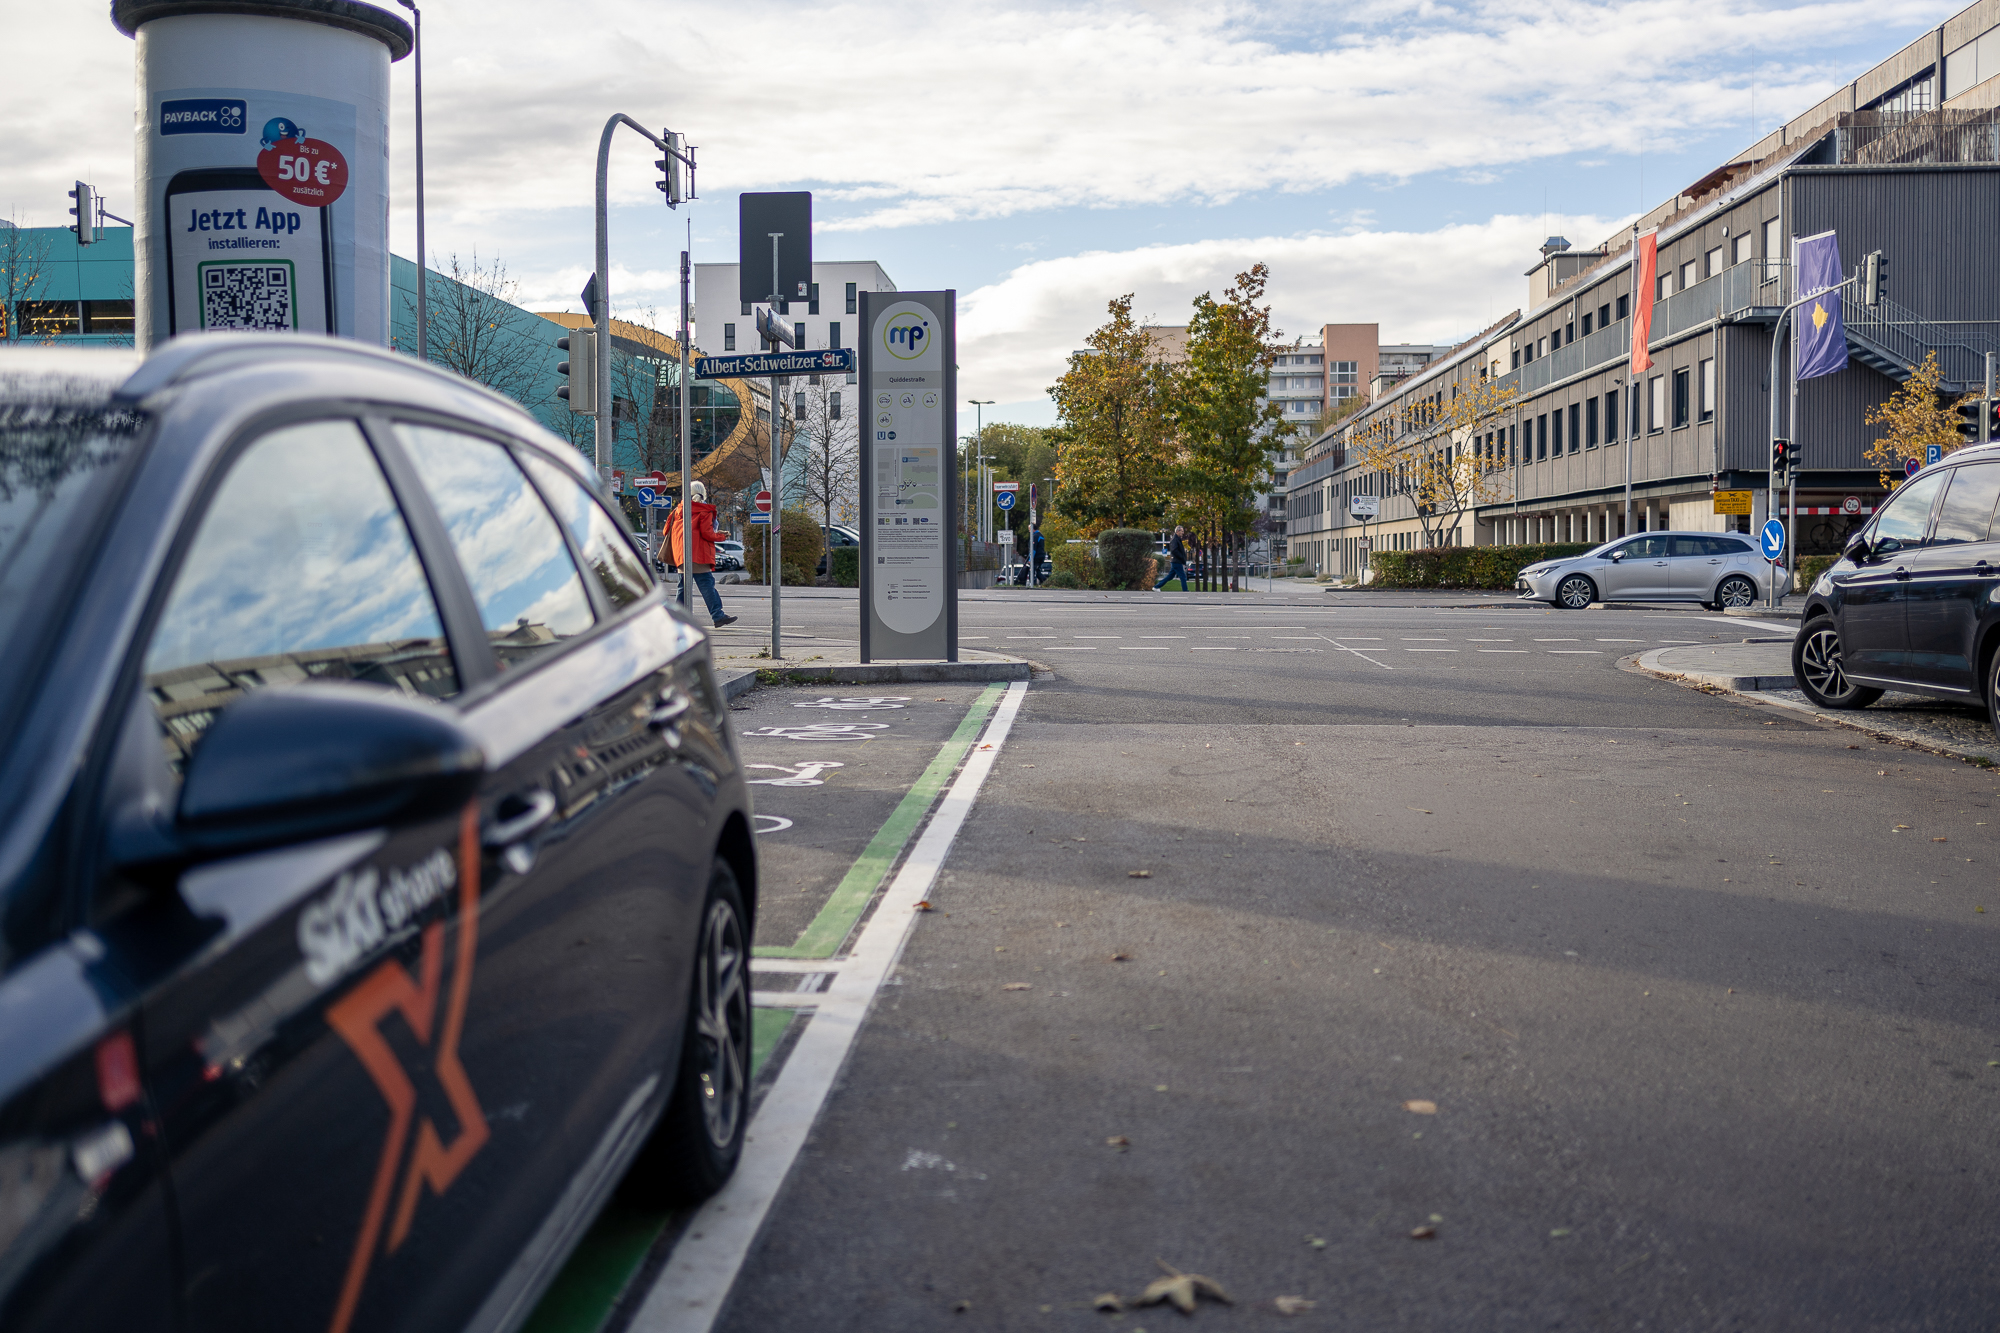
column 909, row 557
column 262, row 165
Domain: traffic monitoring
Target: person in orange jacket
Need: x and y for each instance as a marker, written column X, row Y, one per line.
column 704, row 551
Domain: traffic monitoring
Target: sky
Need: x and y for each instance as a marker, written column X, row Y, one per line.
column 1395, row 163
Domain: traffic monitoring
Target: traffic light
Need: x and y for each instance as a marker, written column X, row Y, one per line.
column 1781, row 459
column 1874, row 278
column 672, row 169
column 1970, row 411
column 85, row 209
column 579, row 388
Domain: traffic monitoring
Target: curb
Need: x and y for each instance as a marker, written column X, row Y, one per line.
column 1776, row 613
column 1648, row 662
column 738, row 681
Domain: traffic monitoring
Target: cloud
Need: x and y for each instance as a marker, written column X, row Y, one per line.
column 1436, row 286
column 904, row 113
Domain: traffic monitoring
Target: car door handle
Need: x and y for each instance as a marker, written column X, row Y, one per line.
column 505, row 833
column 1901, row 573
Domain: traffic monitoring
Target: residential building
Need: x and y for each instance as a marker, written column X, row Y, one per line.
column 724, row 323
column 1905, row 160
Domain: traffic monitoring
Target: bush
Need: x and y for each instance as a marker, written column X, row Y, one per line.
column 1123, row 553
column 800, row 546
column 1810, row 568
column 1062, row 578
column 1465, row 566
column 1080, row 564
column 847, row 566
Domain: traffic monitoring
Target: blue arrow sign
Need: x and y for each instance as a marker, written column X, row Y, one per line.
column 1005, row 499
column 1772, row 539
column 647, row 495
column 828, row 361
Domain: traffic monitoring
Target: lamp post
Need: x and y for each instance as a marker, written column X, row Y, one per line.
column 423, row 273
column 978, row 440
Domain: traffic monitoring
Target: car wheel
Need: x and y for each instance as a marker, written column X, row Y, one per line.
column 1736, row 591
column 1576, row 592
column 694, row 1150
column 1819, row 670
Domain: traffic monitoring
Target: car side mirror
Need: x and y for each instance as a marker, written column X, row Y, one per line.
column 1856, row 548
column 1615, row 557
column 308, row 761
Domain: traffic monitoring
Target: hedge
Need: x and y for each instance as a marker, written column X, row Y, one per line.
column 1124, row 554
column 847, row 566
column 1079, row 562
column 1465, row 566
column 800, row 545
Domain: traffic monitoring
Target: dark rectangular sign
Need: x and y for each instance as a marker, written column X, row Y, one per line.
column 829, row 361
column 790, row 214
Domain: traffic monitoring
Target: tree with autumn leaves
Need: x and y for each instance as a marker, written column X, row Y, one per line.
column 1435, row 451
column 1915, row 417
column 1145, row 439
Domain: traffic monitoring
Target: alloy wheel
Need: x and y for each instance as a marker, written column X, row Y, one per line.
column 722, row 1024
column 1576, row 592
column 1736, row 592
column 1820, row 664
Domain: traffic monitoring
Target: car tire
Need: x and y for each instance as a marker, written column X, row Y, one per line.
column 1819, row 670
column 1735, row 590
column 1575, row 592
column 694, row 1150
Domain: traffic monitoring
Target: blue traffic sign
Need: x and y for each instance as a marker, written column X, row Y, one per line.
column 1772, row 539
column 828, row 361
column 1932, row 453
column 1005, row 499
column 1910, row 467
column 760, row 518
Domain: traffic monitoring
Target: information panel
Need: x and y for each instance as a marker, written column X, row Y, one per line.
column 909, row 565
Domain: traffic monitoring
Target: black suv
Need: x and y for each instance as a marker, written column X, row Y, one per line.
column 1911, row 604
column 376, row 872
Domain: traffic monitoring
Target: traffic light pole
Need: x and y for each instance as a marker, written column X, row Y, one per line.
column 687, row 461
column 774, row 538
column 1771, row 486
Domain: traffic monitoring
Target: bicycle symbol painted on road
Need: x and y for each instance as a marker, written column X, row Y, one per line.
column 796, row 775
column 859, row 705
column 824, row 731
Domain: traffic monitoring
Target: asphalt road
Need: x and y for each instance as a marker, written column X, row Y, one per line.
column 1701, row 992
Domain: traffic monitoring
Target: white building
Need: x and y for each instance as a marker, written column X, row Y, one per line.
column 724, row 323
column 1297, row 383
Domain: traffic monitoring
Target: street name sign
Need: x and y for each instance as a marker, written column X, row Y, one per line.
column 826, row 361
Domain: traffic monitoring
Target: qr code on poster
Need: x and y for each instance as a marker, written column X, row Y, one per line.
column 247, row 296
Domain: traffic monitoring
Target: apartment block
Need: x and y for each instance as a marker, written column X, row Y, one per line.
column 723, row 323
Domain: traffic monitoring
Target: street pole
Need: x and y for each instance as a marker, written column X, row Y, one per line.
column 1777, row 425
column 601, row 315
column 423, row 270
column 687, row 460
column 773, row 539
column 1986, row 402
column 1631, row 403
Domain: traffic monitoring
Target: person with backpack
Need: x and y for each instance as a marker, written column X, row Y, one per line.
column 704, row 550
column 1177, row 554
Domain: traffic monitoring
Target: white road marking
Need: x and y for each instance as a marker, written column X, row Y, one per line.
column 1558, row 640
column 1430, row 650
column 1420, row 638
column 1128, row 648
column 1506, row 650
column 1071, row 648
column 691, row 1288
column 1358, row 653
column 1120, row 636
column 1212, row 650
column 1573, row 652
column 1145, row 636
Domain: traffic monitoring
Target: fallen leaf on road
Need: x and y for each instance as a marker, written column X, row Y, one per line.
column 1121, row 958
column 999, row 948
column 1017, row 985
column 1119, row 1141
column 923, row 906
column 1420, row 1107
column 1937, row 840
column 1183, row 1289
column 987, row 746
column 962, row 1307
column 1853, row 747
column 1560, row 1232
column 1079, row 840
column 1317, row 1242
column 1108, row 1302
column 1423, row 1233
column 1412, row 807
column 1147, row 874
column 1292, row 1304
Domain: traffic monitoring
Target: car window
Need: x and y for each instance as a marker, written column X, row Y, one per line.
column 1907, row 516
column 529, row 593
column 1722, row 546
column 301, row 568
column 619, row 569
column 1686, row 546
column 1645, row 548
column 1967, row 512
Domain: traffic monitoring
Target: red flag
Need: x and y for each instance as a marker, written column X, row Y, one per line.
column 1645, row 262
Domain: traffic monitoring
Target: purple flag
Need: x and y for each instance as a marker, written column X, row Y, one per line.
column 1822, row 345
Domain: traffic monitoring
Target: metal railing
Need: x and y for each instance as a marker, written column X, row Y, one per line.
column 1894, row 339
column 1883, row 138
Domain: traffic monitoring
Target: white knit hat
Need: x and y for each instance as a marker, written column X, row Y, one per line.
column 699, row 491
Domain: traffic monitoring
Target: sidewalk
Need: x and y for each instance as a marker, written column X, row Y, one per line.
column 1761, row 671
column 742, row 664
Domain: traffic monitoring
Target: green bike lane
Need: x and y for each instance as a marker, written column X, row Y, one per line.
column 843, row 779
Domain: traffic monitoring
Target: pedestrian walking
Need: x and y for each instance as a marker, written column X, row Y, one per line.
column 1177, row 555
column 704, row 551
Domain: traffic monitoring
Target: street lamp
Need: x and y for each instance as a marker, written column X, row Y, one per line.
column 423, row 273
column 978, row 442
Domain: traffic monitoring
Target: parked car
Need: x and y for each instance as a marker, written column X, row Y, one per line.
column 728, row 556
column 837, row 536
column 1715, row 569
column 376, row 882
column 1909, row 605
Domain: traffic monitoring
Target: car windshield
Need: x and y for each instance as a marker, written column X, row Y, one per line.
column 63, row 447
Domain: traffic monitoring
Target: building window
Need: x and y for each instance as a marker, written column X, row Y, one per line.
column 1624, row 306
column 1315, row 361
column 1739, row 248
column 1516, row 360
column 1556, row 433
column 1690, row 274
column 812, row 306
column 1541, row 347
column 1707, row 403
column 1575, row 433
column 1604, row 315
column 833, row 334
column 851, row 304
column 1656, row 405
column 1569, row 332
column 1774, row 255
column 833, row 405
column 746, row 310
column 1680, row 398
column 1611, row 416
column 1590, row 423
column 1586, row 324
column 1541, row 438
column 728, row 337
column 1663, row 286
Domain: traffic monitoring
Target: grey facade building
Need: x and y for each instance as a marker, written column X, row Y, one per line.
column 1905, row 160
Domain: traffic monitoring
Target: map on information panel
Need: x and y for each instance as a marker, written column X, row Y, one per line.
column 909, row 480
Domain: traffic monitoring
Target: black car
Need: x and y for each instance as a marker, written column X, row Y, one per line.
column 376, row 870
column 1910, row 605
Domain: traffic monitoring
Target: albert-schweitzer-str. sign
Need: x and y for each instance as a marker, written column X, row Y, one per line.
column 828, row 361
